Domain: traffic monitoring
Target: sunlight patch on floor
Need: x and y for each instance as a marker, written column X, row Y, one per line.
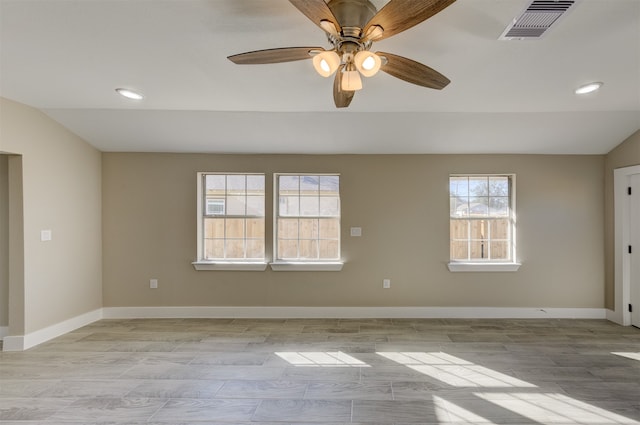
column 449, row 412
column 455, row 371
column 321, row 359
column 554, row 408
column 629, row 355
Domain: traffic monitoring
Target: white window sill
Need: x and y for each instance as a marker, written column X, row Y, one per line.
column 230, row 266
column 284, row 266
column 483, row 267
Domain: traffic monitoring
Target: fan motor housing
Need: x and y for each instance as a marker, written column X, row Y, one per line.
column 352, row 13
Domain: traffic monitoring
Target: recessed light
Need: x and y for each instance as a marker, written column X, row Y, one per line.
column 130, row 94
column 589, row 88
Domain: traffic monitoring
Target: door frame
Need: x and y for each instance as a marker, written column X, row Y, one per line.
column 622, row 261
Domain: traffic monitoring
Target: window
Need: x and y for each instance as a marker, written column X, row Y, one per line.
column 307, row 218
column 231, row 218
column 481, row 219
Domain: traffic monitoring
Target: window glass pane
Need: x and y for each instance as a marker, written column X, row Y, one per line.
column 479, row 229
column 255, row 248
column 459, row 186
column 215, row 206
column 236, row 205
column 289, row 206
column 459, row 207
column 459, row 229
column 288, row 228
column 236, row 184
column 215, row 182
column 255, row 205
column 255, row 184
column 289, row 185
column 500, row 250
column 459, row 250
column 214, row 228
column 329, row 185
column 235, row 228
column 213, row 248
column 499, row 186
column 309, row 185
column 255, row 228
column 478, row 186
column 500, row 229
column 287, row 249
column 308, row 249
column 328, row 249
column 499, row 206
column 309, row 206
column 478, row 207
column 330, row 206
column 308, row 228
column 234, row 248
column 329, row 229
column 479, row 249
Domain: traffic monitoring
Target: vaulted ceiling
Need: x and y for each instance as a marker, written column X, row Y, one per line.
column 67, row 57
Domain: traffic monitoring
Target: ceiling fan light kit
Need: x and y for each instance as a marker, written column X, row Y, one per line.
column 351, row 27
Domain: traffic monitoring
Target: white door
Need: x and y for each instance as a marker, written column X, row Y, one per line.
column 634, row 241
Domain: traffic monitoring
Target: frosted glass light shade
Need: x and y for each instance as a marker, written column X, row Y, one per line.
column 351, row 81
column 367, row 63
column 326, row 62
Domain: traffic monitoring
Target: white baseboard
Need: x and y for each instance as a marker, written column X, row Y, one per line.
column 24, row 342
column 353, row 312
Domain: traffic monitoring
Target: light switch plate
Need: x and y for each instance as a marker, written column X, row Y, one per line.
column 45, row 235
column 356, row 231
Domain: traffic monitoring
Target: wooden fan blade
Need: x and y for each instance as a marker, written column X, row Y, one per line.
column 283, row 54
column 317, row 11
column 341, row 98
column 413, row 72
column 399, row 15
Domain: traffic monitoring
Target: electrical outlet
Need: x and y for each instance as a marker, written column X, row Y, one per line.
column 153, row 283
column 386, row 283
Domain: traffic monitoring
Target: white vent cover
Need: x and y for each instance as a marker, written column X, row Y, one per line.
column 536, row 19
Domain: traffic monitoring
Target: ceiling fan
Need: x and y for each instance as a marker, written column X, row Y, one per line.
column 352, row 26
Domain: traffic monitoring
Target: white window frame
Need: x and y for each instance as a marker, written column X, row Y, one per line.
column 201, row 210
column 488, row 265
column 301, row 264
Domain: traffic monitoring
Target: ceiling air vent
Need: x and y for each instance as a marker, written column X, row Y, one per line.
column 536, row 19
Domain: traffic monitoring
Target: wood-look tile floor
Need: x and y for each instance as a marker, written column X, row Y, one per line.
column 374, row 372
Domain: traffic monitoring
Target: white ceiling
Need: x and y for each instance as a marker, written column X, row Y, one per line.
column 66, row 57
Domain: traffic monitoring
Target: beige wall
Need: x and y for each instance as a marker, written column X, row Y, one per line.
column 624, row 155
column 4, row 241
column 61, row 185
column 401, row 203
